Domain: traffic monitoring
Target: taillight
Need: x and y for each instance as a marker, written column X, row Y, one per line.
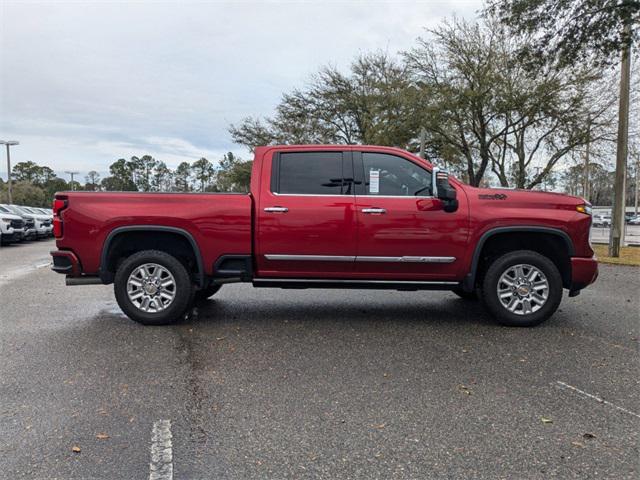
column 59, row 204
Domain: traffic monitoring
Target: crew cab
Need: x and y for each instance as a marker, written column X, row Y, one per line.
column 330, row 216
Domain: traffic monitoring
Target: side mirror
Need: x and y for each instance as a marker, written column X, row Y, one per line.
column 443, row 190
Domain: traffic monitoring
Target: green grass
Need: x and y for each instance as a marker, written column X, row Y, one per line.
column 628, row 255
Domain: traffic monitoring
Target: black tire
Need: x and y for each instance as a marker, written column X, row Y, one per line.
column 184, row 289
column 205, row 293
column 465, row 295
column 504, row 263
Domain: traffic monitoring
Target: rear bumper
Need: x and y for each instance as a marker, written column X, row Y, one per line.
column 66, row 262
column 584, row 271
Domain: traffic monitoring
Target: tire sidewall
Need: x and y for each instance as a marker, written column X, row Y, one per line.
column 499, row 266
column 184, row 288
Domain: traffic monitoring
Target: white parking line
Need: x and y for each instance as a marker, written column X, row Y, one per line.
column 161, row 465
column 10, row 274
column 596, row 398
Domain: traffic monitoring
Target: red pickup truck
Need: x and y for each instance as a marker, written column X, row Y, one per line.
column 330, row 216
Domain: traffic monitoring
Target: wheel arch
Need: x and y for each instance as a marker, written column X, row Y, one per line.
column 107, row 273
column 562, row 261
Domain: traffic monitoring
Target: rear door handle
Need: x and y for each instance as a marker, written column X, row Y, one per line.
column 374, row 210
column 276, row 209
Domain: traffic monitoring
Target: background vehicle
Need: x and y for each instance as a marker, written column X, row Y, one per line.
column 11, row 226
column 330, row 217
column 44, row 227
column 30, row 232
column 37, row 225
column 602, row 220
column 49, row 215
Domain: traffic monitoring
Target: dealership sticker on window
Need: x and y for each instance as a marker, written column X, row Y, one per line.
column 374, row 181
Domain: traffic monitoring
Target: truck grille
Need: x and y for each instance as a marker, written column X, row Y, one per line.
column 17, row 223
column 30, row 223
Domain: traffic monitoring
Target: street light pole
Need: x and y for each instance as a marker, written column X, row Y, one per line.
column 9, row 143
column 73, row 186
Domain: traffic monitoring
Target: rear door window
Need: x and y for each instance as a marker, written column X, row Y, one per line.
column 312, row 173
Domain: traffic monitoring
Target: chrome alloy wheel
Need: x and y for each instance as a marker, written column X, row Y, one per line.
column 151, row 287
column 523, row 289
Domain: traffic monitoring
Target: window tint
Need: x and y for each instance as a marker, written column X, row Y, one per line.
column 315, row 173
column 2, row 209
column 391, row 175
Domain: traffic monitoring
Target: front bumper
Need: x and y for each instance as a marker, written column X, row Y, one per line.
column 584, row 271
column 14, row 236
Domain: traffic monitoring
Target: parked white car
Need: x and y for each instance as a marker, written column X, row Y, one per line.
column 601, row 220
column 44, row 222
column 30, row 228
column 11, row 226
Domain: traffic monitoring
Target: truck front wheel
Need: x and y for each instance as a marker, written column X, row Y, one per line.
column 153, row 288
column 522, row 288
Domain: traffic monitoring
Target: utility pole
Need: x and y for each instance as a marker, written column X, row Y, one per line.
column 617, row 216
column 585, row 186
column 423, row 141
column 73, row 185
column 9, row 143
column 637, row 181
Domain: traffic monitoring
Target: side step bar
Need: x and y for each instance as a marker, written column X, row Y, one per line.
column 75, row 281
column 302, row 283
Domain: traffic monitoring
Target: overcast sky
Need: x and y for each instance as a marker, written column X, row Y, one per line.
column 83, row 84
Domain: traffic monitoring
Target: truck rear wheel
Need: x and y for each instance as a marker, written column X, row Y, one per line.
column 522, row 288
column 153, row 288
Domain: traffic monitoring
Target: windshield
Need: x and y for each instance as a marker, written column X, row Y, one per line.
column 13, row 209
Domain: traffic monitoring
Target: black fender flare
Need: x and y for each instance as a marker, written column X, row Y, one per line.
column 106, row 277
column 469, row 281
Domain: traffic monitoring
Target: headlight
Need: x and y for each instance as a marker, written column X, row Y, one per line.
column 584, row 208
column 6, row 220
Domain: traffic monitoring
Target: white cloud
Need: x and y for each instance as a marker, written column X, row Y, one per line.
column 82, row 84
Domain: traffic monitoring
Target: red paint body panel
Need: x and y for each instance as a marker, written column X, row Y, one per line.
column 219, row 223
column 314, row 225
column 584, row 271
column 329, row 225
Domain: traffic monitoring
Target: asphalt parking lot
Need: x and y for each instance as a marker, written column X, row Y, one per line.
column 314, row 384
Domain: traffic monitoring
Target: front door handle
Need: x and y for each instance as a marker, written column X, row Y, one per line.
column 276, row 209
column 374, row 210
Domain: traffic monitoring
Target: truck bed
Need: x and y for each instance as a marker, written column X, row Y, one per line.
column 219, row 223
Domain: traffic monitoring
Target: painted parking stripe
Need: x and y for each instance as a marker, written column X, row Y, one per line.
column 596, row 398
column 161, row 465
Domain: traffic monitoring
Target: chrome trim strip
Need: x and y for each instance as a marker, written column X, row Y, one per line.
column 347, row 195
column 347, row 258
column 310, row 258
column 412, row 197
column 343, row 195
column 406, row 259
column 355, row 280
